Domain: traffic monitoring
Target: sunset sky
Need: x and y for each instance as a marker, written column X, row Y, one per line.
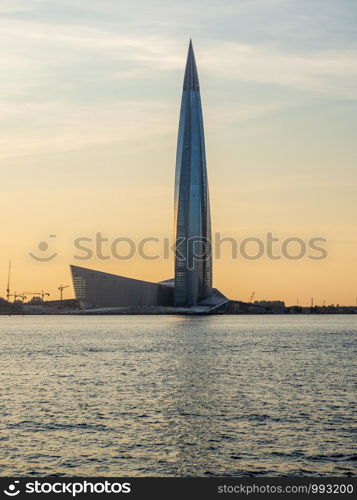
column 89, row 100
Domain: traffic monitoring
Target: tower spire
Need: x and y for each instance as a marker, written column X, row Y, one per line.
column 190, row 81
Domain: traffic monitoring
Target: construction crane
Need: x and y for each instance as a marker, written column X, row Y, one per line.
column 252, row 296
column 61, row 288
column 15, row 295
column 8, row 283
column 324, row 303
column 42, row 294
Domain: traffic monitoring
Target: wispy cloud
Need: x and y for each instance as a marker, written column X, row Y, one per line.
column 59, row 126
column 222, row 116
column 41, row 61
column 329, row 72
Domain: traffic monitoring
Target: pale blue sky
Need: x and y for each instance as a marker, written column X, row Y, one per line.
column 65, row 60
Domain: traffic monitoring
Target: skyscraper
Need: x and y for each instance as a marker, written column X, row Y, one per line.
column 191, row 291
column 193, row 260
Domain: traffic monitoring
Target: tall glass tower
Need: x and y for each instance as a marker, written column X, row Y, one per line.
column 193, row 259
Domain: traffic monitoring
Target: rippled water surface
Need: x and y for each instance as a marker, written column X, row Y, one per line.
column 177, row 396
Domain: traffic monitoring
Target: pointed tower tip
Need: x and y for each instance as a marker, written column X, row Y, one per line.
column 190, row 81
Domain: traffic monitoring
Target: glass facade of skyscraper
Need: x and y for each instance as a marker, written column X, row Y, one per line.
column 193, row 260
